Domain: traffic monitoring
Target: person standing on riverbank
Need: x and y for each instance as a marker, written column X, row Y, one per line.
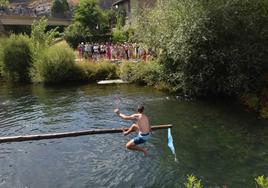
column 142, row 127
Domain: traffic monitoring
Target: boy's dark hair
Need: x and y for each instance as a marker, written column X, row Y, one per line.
column 140, row 108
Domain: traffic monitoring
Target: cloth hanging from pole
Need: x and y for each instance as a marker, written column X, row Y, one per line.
column 171, row 145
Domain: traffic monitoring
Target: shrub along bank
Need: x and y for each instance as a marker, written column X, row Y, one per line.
column 208, row 47
column 144, row 73
column 55, row 64
column 37, row 59
column 92, row 72
column 17, row 58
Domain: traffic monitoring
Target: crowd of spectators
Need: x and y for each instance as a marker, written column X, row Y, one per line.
column 113, row 51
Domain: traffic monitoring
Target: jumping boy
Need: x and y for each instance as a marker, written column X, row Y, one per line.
column 142, row 127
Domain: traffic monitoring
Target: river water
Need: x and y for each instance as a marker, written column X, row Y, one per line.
column 217, row 141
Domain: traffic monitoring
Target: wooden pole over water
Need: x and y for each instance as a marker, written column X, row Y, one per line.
column 70, row 134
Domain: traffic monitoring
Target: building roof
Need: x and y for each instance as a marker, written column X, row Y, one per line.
column 106, row 4
column 119, row 2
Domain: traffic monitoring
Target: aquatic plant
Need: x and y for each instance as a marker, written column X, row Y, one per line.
column 192, row 182
column 262, row 182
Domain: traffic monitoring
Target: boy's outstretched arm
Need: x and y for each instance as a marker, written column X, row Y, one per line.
column 123, row 116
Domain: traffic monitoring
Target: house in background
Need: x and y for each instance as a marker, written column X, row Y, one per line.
column 106, row 4
column 134, row 6
column 123, row 5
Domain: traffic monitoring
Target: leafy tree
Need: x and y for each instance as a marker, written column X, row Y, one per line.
column 116, row 17
column 208, row 47
column 40, row 37
column 120, row 17
column 41, row 41
column 89, row 23
column 89, row 15
column 59, row 8
column 121, row 32
column 76, row 33
column 4, row 3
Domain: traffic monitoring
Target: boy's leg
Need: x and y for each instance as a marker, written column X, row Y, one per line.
column 132, row 146
column 133, row 127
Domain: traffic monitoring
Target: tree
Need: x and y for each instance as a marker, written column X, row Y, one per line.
column 39, row 36
column 4, row 3
column 59, row 8
column 120, row 17
column 76, row 33
column 89, row 23
column 209, row 47
column 89, row 14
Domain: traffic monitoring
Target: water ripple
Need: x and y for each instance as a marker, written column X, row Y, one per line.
column 206, row 136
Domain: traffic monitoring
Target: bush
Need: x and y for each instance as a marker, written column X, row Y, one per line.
column 17, row 58
column 209, row 47
column 141, row 72
column 56, row 64
column 92, row 72
column 106, row 70
column 85, row 72
column 126, row 71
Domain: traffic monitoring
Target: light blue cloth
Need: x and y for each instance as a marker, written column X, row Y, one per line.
column 170, row 144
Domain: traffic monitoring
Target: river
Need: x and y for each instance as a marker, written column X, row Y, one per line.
column 217, row 141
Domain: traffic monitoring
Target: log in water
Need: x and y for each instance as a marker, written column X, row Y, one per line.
column 70, row 134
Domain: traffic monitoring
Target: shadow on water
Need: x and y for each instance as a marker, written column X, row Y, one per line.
column 215, row 140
